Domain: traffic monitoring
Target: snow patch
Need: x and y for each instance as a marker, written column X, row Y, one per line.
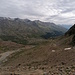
column 53, row 50
column 67, row 48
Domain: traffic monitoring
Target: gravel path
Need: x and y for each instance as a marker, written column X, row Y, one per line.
column 5, row 55
column 8, row 53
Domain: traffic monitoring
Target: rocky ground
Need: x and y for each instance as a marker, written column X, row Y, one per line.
column 57, row 70
column 47, row 58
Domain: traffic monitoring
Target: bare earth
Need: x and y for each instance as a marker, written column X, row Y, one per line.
column 45, row 59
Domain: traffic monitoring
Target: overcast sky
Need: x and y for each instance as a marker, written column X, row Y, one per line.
column 57, row 11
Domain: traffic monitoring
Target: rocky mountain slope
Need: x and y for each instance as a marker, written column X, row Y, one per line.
column 21, row 30
column 48, row 57
column 71, row 32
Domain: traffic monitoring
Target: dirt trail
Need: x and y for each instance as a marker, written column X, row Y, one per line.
column 8, row 53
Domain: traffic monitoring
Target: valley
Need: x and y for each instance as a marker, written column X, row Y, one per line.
column 36, row 48
column 37, row 37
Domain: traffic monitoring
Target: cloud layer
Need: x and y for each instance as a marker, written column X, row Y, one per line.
column 57, row 11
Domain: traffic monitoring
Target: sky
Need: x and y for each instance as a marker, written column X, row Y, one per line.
column 56, row 11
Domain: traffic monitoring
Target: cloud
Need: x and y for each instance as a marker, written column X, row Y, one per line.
column 58, row 11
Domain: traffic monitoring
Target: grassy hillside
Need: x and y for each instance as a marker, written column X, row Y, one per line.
column 21, row 30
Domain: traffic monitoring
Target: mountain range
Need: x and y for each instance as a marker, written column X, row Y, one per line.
column 20, row 30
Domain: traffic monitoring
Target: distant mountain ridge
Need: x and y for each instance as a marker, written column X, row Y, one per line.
column 20, row 30
column 67, row 26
